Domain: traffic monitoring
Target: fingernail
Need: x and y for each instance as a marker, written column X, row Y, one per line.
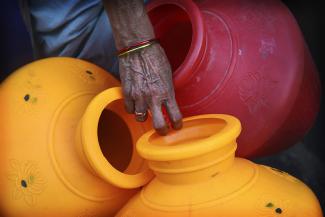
column 163, row 131
column 178, row 125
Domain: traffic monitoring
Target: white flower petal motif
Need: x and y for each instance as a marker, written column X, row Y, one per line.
column 27, row 181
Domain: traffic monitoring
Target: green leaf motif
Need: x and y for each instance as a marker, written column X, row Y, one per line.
column 269, row 205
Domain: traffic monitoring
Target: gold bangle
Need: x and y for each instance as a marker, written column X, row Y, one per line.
column 136, row 48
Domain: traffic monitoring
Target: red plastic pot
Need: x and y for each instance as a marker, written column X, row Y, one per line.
column 246, row 58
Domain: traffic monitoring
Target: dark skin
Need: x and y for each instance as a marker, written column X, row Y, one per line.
column 146, row 74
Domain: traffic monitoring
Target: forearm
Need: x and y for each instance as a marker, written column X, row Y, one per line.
column 146, row 75
column 129, row 21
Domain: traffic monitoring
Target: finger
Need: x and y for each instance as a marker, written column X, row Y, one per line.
column 174, row 113
column 129, row 105
column 141, row 108
column 128, row 102
column 126, row 80
column 158, row 119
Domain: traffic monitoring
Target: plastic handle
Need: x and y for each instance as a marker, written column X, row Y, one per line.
column 92, row 148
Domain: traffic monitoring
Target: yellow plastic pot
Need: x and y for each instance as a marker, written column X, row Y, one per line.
column 65, row 152
column 197, row 175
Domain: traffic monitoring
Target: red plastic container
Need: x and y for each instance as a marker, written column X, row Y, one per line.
column 246, row 58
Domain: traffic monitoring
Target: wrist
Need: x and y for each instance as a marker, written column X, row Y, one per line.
column 137, row 30
column 136, row 47
column 126, row 42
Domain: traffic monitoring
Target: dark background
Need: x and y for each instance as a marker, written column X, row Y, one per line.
column 305, row 160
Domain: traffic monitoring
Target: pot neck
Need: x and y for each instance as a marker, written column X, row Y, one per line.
column 202, row 150
column 195, row 169
column 197, row 48
column 90, row 152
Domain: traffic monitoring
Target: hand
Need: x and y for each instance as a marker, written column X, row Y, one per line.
column 147, row 84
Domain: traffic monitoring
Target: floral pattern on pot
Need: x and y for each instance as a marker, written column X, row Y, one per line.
column 27, row 181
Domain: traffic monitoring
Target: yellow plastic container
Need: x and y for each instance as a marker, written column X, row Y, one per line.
column 197, row 175
column 65, row 152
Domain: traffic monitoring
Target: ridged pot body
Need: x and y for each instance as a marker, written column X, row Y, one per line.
column 197, row 174
column 241, row 57
column 246, row 189
column 44, row 170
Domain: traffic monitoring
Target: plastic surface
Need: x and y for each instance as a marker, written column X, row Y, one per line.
column 245, row 58
column 66, row 151
column 198, row 175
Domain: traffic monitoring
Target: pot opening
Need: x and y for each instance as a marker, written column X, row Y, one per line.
column 192, row 131
column 173, row 28
column 115, row 140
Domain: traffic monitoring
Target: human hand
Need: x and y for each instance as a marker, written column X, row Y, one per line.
column 147, row 84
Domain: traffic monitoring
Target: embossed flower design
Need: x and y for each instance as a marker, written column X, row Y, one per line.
column 253, row 91
column 27, row 181
column 28, row 97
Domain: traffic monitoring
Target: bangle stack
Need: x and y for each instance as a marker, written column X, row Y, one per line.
column 138, row 46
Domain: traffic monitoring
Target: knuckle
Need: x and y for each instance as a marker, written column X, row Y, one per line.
column 126, row 91
column 159, row 91
column 147, row 92
column 164, row 92
column 137, row 94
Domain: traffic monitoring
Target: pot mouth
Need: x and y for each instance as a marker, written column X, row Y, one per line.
column 200, row 135
column 93, row 151
column 173, row 21
column 115, row 139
